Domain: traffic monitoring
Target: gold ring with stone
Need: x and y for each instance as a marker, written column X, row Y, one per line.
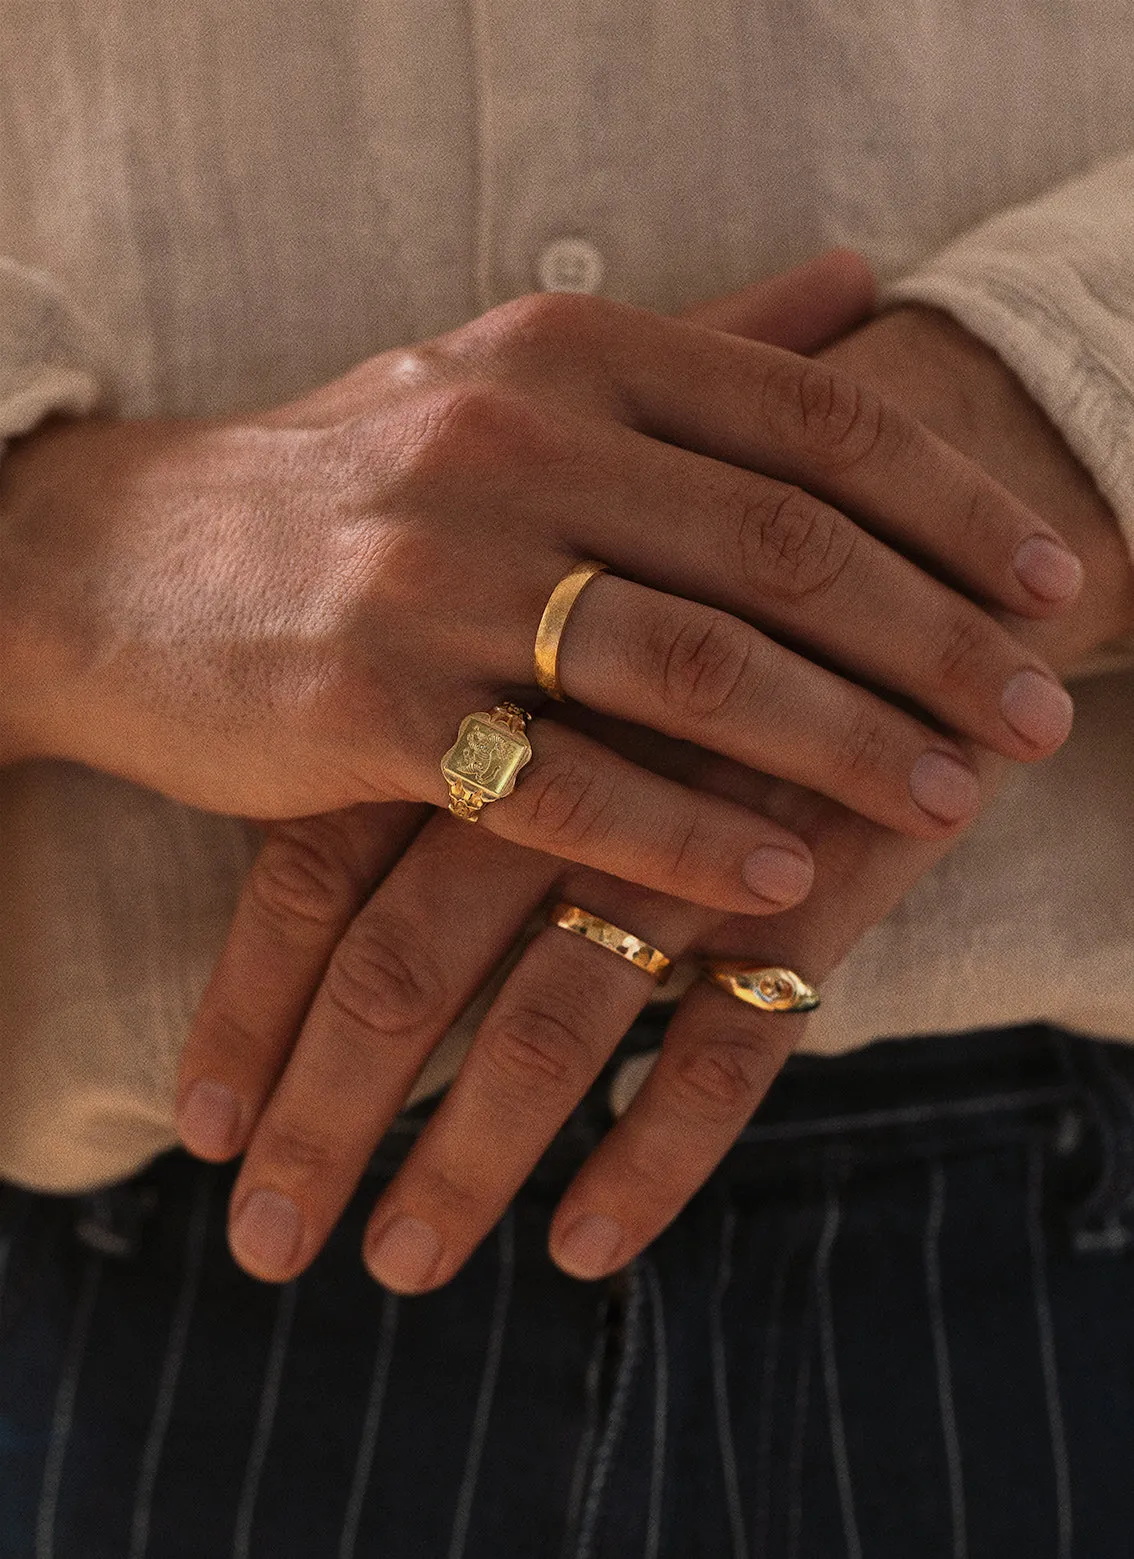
column 571, row 918
column 554, row 620
column 481, row 766
column 770, row 989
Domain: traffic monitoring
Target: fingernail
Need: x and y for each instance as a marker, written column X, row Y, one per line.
column 1047, row 569
column 265, row 1236
column 778, row 875
column 944, row 787
column 208, row 1119
column 1037, row 709
column 589, row 1247
column 405, row 1256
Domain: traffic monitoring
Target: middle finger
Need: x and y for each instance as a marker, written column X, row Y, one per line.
column 793, row 565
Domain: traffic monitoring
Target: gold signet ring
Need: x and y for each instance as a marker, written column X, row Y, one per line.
column 771, row 990
column 553, row 622
column 615, row 940
column 481, row 766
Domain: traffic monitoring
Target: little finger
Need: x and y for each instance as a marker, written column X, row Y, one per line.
column 717, row 1062
column 582, row 802
column 308, row 880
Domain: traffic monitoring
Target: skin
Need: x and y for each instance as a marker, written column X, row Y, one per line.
column 369, row 980
column 242, row 613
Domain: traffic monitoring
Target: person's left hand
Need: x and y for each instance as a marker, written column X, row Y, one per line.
column 427, row 938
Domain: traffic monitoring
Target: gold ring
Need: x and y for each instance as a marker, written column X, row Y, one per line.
column 481, row 766
column 771, row 990
column 553, row 622
column 601, row 932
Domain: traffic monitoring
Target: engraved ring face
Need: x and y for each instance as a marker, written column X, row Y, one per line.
column 486, row 756
column 771, row 990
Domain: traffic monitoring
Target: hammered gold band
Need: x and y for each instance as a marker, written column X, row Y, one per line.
column 773, row 989
column 553, row 622
column 481, row 766
column 571, row 918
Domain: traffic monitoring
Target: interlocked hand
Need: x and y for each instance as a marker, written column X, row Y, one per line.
column 392, row 967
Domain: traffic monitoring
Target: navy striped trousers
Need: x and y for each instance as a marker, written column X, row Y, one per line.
column 898, row 1322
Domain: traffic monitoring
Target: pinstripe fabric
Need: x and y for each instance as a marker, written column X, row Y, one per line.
column 720, row 1391
column 935, row 1299
column 64, row 1411
column 766, row 1422
column 801, row 1406
column 661, row 1412
column 825, row 1306
column 368, row 1439
column 265, row 1421
column 171, row 1369
column 1048, row 1360
column 506, row 1247
column 881, row 1341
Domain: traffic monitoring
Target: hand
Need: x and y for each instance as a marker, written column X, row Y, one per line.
column 243, row 612
column 388, row 997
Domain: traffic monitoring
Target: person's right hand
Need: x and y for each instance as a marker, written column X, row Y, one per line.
column 287, row 613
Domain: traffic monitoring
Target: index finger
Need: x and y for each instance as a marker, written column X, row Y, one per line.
column 799, row 421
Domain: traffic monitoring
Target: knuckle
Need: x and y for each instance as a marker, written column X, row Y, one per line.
column 304, row 875
column 543, row 320
column 721, row 1081
column 967, row 651
column 478, row 431
column 705, row 663
column 308, row 1154
column 571, row 803
column 828, row 415
column 791, row 546
column 465, row 425
column 461, row 1195
column 685, row 850
column 984, row 524
column 865, row 745
column 533, row 1049
column 382, row 981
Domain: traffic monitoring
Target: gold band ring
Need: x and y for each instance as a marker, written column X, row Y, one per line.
column 771, row 990
column 553, row 622
column 571, row 918
column 481, row 766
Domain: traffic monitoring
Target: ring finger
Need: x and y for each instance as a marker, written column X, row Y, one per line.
column 704, row 676
column 557, row 1020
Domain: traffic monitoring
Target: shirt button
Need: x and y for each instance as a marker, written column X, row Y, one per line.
column 569, row 265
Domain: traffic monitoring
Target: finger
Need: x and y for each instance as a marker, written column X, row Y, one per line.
column 580, row 801
column 795, row 566
column 718, row 1061
column 556, row 1021
column 802, row 309
column 412, row 959
column 808, row 424
column 704, row 676
column 300, row 894
column 720, row 1056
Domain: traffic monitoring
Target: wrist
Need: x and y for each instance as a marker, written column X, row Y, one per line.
column 17, row 653
column 43, row 574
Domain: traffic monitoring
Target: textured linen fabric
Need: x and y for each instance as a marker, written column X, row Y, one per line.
column 209, row 206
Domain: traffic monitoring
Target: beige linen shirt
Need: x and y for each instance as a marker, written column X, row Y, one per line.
column 214, row 204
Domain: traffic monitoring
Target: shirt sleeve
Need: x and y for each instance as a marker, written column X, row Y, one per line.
column 52, row 359
column 1050, row 287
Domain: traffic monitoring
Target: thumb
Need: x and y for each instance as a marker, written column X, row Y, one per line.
column 802, row 309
